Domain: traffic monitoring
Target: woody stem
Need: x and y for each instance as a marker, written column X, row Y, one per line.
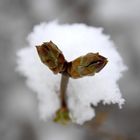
column 63, row 88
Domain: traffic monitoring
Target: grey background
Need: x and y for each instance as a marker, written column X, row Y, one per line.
column 18, row 105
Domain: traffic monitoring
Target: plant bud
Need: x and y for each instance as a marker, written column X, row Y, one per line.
column 86, row 65
column 51, row 56
column 62, row 116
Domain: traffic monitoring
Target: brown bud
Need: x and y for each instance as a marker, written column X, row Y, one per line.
column 51, row 56
column 86, row 65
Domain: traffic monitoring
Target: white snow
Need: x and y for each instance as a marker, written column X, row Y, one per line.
column 73, row 40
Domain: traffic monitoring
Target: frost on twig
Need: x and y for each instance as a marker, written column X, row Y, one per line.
column 74, row 41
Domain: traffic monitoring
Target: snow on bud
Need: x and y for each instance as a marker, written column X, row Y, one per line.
column 74, row 41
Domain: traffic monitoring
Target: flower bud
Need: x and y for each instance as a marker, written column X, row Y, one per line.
column 62, row 116
column 86, row 65
column 51, row 56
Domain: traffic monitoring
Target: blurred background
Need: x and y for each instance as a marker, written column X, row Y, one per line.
column 19, row 119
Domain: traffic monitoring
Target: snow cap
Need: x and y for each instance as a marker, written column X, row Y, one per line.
column 74, row 40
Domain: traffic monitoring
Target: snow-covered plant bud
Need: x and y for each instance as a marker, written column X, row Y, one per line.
column 51, row 56
column 86, row 65
column 74, row 40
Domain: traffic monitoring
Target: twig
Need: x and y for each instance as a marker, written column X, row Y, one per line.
column 62, row 115
column 63, row 88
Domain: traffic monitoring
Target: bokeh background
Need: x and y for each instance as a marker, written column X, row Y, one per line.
column 19, row 119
